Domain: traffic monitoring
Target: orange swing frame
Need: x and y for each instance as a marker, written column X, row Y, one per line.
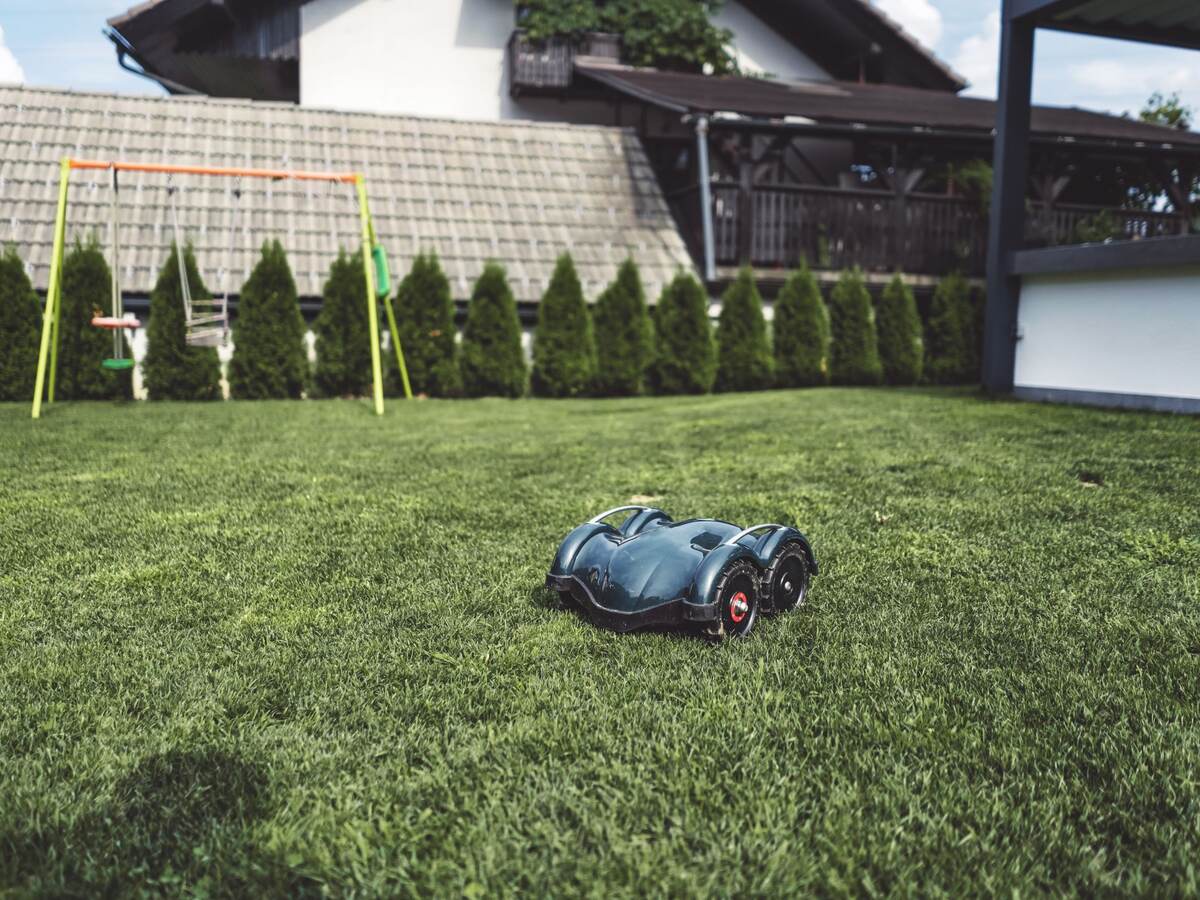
column 48, row 349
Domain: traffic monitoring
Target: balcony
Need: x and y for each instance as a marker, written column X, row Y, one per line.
column 547, row 67
column 925, row 234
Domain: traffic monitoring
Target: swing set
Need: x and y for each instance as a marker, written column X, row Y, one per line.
column 207, row 320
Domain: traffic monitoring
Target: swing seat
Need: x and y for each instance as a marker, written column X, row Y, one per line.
column 210, row 337
column 113, row 324
column 117, row 365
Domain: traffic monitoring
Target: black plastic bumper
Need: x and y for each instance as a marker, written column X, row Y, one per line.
column 671, row 613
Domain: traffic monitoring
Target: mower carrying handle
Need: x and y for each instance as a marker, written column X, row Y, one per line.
column 612, row 512
column 746, row 532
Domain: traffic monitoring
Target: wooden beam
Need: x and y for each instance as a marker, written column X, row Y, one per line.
column 1011, row 162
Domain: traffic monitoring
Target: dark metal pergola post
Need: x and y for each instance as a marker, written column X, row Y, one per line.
column 1011, row 162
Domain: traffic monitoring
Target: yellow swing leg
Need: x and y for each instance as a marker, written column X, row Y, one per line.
column 48, row 350
column 368, row 243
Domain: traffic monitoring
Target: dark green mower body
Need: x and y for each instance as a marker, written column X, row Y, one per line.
column 700, row 574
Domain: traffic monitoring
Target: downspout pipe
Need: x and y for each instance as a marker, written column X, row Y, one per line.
column 706, row 208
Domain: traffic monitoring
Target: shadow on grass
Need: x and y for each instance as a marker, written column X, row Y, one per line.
column 177, row 822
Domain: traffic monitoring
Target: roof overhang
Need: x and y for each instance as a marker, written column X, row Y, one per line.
column 1174, row 23
column 850, row 110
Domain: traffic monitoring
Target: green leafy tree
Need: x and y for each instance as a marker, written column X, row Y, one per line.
column 343, row 342
column 665, row 34
column 564, row 353
column 685, row 355
column 1168, row 110
column 20, row 329
column 801, row 328
column 855, row 348
column 492, row 361
column 425, row 320
column 87, row 292
column 901, row 350
column 172, row 369
column 269, row 359
column 744, row 360
column 624, row 335
column 949, row 339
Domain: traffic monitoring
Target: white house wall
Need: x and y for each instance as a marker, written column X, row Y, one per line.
column 761, row 50
column 446, row 59
column 1122, row 338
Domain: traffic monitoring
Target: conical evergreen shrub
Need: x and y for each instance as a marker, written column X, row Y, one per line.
column 87, row 292
column 685, row 355
column 854, row 347
column 624, row 335
column 744, row 360
column 901, row 350
column 425, row 320
column 948, row 348
column 564, row 353
column 492, row 361
column 801, row 326
column 20, row 329
column 172, row 370
column 343, row 342
column 269, row 359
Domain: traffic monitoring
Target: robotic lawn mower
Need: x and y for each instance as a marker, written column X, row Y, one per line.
column 699, row 574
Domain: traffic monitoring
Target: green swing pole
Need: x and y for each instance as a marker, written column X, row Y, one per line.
column 372, row 311
column 50, row 314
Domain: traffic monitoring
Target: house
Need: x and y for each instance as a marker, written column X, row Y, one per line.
column 1114, row 323
column 849, row 153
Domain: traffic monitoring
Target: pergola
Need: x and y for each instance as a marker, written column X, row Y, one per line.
column 1166, row 22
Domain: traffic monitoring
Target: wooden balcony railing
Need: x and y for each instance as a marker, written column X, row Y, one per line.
column 835, row 228
column 547, row 66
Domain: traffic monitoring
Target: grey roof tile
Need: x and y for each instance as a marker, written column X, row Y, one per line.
column 519, row 193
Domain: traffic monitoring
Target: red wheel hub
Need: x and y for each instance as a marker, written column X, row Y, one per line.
column 739, row 607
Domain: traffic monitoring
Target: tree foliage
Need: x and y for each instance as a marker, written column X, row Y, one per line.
column 20, row 329
column 173, row 370
column 744, row 360
column 492, row 361
column 950, row 355
column 1168, row 110
column 685, row 355
column 624, row 335
column 269, row 359
column 82, row 347
column 801, row 326
column 343, row 339
column 425, row 320
column 901, row 349
column 564, row 352
column 854, row 346
column 665, row 34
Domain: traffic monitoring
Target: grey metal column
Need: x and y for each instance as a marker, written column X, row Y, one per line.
column 1011, row 163
column 706, row 211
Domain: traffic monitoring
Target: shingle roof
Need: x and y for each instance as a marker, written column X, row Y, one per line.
column 519, row 193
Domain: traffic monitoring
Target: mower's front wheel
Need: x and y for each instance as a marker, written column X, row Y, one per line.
column 738, row 597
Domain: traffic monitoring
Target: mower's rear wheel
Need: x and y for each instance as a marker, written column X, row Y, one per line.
column 786, row 581
column 738, row 597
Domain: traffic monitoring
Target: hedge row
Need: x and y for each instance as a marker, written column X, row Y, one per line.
column 616, row 349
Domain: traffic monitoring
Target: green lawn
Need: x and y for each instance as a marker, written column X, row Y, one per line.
column 268, row 648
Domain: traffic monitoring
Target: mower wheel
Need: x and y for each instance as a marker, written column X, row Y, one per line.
column 738, row 596
column 786, row 581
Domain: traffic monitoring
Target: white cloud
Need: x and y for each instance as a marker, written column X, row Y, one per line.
column 10, row 69
column 920, row 18
column 1118, row 79
column 978, row 57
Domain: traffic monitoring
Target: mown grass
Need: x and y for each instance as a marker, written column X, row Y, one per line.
column 277, row 648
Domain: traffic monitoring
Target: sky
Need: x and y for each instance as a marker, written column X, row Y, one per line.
column 58, row 43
